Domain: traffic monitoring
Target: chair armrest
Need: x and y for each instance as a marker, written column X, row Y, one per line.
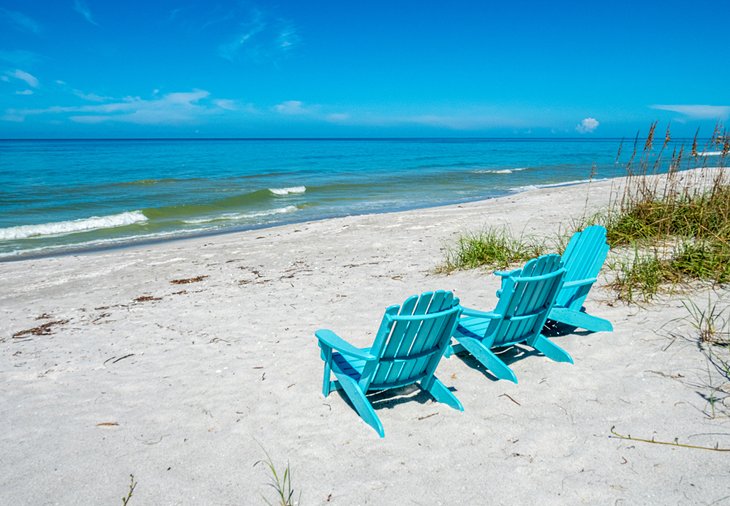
column 332, row 340
column 579, row 282
column 481, row 314
column 504, row 274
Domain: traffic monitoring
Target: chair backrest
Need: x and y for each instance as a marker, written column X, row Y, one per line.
column 583, row 259
column 525, row 300
column 411, row 340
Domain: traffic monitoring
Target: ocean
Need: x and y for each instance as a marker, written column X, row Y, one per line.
column 61, row 196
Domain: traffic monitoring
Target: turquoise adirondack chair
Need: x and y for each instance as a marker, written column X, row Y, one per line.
column 525, row 300
column 583, row 259
column 408, row 346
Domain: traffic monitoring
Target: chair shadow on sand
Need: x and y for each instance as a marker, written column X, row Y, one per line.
column 554, row 328
column 511, row 354
column 508, row 355
column 389, row 399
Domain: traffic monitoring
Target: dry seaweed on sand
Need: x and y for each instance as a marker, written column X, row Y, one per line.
column 186, row 281
column 146, row 298
column 41, row 330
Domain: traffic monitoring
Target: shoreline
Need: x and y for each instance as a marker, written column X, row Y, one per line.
column 178, row 362
column 85, row 248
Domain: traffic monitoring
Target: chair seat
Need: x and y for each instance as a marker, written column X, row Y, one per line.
column 350, row 366
column 473, row 324
column 476, row 328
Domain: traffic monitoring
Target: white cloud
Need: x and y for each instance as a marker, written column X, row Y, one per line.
column 91, row 97
column 224, row 103
column 19, row 57
column 697, row 111
column 587, row 125
column 292, row 107
column 24, row 92
column 248, row 31
column 12, row 117
column 458, row 122
column 288, row 38
column 172, row 108
column 260, row 37
column 24, row 76
column 83, row 9
column 337, row 117
column 20, row 21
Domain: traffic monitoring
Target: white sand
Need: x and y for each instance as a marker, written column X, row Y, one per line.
column 196, row 381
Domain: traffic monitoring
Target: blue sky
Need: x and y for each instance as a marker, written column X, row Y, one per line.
column 94, row 68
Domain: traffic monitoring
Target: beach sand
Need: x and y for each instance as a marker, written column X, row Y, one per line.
column 184, row 385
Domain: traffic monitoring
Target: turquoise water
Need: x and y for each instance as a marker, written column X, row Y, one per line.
column 59, row 196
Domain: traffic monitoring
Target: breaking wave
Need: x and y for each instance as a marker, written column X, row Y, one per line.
column 73, row 226
column 499, row 171
column 242, row 216
column 287, row 191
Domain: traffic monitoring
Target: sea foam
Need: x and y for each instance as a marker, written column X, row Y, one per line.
column 287, row 191
column 499, row 171
column 71, row 227
column 242, row 216
column 554, row 185
column 98, row 243
column 710, row 153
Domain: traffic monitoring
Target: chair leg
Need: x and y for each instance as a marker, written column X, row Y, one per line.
column 327, row 357
column 441, row 393
column 487, row 358
column 452, row 349
column 580, row 319
column 550, row 349
column 362, row 405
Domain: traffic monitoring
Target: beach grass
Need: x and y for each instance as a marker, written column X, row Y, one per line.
column 281, row 483
column 674, row 229
column 493, row 247
column 711, row 323
column 710, row 330
column 130, row 492
column 637, row 276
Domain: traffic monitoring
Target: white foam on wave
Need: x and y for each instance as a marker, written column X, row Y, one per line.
column 499, row 171
column 101, row 243
column 242, row 216
column 73, row 226
column 554, row 185
column 709, row 153
column 287, row 191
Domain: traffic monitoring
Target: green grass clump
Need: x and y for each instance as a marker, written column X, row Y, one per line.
column 638, row 277
column 696, row 215
column 703, row 260
column 494, row 248
column 282, row 484
column 693, row 230
column 681, row 223
column 710, row 322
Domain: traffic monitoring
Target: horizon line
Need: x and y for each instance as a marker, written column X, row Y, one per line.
column 20, row 139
